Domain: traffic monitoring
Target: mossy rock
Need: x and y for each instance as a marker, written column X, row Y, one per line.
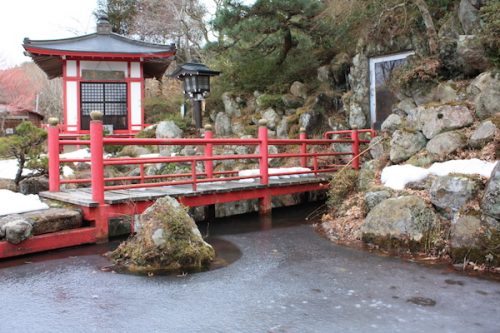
column 167, row 239
column 404, row 222
column 483, row 247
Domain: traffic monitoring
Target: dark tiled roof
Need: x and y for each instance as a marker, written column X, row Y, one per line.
column 47, row 53
column 99, row 43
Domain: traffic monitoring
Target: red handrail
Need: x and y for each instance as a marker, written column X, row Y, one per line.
column 98, row 162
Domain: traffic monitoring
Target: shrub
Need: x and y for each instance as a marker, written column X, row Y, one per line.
column 343, row 184
column 490, row 14
column 25, row 145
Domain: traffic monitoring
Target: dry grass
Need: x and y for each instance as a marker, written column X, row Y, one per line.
column 345, row 225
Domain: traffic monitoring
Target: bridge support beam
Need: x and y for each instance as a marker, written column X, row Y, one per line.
column 265, row 204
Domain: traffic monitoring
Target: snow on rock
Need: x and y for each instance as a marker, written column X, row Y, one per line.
column 397, row 176
column 468, row 167
column 14, row 203
column 274, row 171
column 8, row 169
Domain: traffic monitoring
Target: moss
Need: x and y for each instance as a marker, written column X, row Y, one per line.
column 181, row 250
column 392, row 244
column 147, row 133
column 487, row 250
column 270, row 101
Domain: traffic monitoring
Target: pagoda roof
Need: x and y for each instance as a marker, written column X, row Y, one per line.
column 104, row 44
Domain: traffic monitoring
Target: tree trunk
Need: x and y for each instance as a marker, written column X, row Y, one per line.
column 429, row 24
column 21, row 160
column 287, row 46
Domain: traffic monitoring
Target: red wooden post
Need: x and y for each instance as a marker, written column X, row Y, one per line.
column 303, row 147
column 315, row 165
column 355, row 147
column 209, row 165
column 193, row 174
column 265, row 202
column 264, row 171
column 96, row 157
column 141, row 173
column 53, row 147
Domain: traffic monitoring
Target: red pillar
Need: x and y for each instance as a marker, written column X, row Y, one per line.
column 96, row 160
column 303, row 147
column 265, row 203
column 97, row 178
column 263, row 163
column 355, row 148
column 53, row 147
column 209, row 165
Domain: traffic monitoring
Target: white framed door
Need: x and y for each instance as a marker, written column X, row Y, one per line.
column 380, row 69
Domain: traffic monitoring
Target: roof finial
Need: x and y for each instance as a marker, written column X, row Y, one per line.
column 103, row 25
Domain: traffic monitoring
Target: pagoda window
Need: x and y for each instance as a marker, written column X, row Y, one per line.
column 110, row 98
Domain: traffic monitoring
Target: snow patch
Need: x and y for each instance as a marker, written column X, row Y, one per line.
column 8, row 169
column 14, row 203
column 397, row 176
column 468, row 167
column 274, row 171
column 80, row 153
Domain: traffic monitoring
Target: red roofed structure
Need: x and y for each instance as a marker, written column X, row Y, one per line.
column 103, row 72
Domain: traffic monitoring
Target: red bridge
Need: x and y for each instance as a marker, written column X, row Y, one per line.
column 119, row 196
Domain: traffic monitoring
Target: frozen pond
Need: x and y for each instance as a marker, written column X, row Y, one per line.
column 281, row 279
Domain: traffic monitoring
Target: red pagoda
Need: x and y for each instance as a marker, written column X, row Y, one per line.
column 103, row 72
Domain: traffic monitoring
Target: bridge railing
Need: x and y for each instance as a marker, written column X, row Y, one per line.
column 316, row 161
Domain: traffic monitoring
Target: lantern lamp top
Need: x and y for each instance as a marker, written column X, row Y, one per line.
column 193, row 69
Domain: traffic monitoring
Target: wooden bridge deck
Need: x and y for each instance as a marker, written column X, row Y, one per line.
column 83, row 196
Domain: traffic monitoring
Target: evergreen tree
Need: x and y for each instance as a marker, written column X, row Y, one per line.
column 271, row 41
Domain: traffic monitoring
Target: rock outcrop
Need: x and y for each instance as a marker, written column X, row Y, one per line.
column 167, row 239
column 404, row 218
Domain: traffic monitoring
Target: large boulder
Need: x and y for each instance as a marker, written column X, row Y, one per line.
column 472, row 238
column 405, row 144
column 292, row 102
column 450, row 193
column 391, row 123
column 445, row 143
column 168, row 239
column 34, row 185
column 379, row 146
column 282, row 129
column 407, row 219
column 483, row 134
column 231, row 107
column 298, row 89
column 468, row 16
column 464, row 231
column 272, row 118
column 222, row 125
column 471, row 56
column 15, row 228
column 273, row 162
column 491, row 198
column 437, row 119
column 445, row 93
column 373, row 198
column 168, row 130
column 486, row 102
column 53, row 220
column 357, row 118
